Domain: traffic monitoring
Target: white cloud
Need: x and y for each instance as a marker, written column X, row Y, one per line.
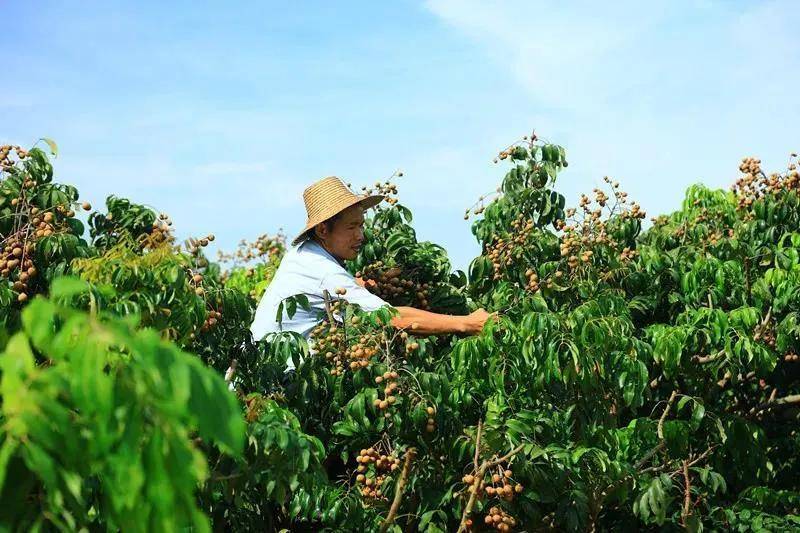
column 661, row 95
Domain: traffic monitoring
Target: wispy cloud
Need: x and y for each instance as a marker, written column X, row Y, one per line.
column 659, row 94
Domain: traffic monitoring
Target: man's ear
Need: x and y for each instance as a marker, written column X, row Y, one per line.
column 321, row 230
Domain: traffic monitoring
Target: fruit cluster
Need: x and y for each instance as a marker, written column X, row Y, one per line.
column 212, row 318
column 498, row 484
column 480, row 206
column 388, row 283
column 5, row 151
column 765, row 332
column 504, row 251
column 755, row 184
column 390, row 391
column 354, row 349
column 430, row 424
column 263, row 248
column 364, row 348
column 328, row 339
column 161, row 233
column 30, row 223
column 373, row 467
column 195, row 247
column 514, row 149
column 502, row 485
column 583, row 235
column 500, row 520
column 15, row 261
column 197, row 283
column 387, row 189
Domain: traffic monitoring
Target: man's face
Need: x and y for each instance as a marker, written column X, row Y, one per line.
column 344, row 238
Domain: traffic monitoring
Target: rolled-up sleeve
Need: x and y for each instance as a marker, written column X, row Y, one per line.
column 356, row 294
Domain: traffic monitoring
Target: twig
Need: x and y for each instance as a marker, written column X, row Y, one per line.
column 773, row 395
column 687, row 493
column 767, row 317
column 665, row 413
column 478, row 444
column 327, row 297
column 747, row 277
column 398, row 491
column 702, row 456
column 739, row 379
column 649, row 455
column 231, row 372
column 703, row 359
column 661, row 468
column 226, row 478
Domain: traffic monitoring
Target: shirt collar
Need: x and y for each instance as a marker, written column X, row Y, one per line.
column 313, row 245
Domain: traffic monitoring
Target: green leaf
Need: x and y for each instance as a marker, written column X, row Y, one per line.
column 52, row 145
column 67, row 286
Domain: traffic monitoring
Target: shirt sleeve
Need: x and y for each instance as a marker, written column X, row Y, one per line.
column 356, row 294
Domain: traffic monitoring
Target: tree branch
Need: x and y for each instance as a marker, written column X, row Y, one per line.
column 664, row 415
column 776, row 402
column 398, row 491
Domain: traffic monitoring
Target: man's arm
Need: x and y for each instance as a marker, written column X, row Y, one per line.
column 427, row 323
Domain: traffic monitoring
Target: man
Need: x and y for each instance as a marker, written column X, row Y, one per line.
column 334, row 233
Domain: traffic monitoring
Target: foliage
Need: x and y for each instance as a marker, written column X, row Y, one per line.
column 634, row 379
column 98, row 420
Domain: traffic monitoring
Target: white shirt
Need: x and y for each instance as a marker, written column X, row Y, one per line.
column 307, row 269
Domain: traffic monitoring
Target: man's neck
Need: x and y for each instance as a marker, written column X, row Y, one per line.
column 335, row 257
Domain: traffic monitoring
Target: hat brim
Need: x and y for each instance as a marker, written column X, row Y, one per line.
column 365, row 201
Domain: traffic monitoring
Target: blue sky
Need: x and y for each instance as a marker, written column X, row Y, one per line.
column 221, row 113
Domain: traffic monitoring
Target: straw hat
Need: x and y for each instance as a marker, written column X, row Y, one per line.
column 327, row 198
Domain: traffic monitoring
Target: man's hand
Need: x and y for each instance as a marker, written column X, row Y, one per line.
column 473, row 322
column 368, row 284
